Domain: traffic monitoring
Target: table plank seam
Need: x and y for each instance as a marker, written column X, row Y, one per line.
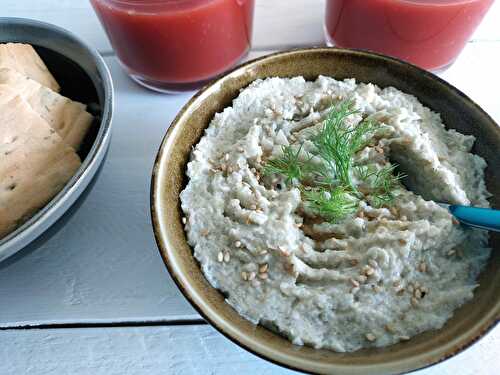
column 125, row 324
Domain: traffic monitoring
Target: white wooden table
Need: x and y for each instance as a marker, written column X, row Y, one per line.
column 92, row 295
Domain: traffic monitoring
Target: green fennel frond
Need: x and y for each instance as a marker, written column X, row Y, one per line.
column 332, row 194
column 337, row 141
column 289, row 165
column 384, row 183
column 331, row 204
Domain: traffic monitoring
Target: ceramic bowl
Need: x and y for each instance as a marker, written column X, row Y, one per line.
column 83, row 76
column 469, row 323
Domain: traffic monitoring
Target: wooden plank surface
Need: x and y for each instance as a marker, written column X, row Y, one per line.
column 100, row 262
column 278, row 24
column 174, row 350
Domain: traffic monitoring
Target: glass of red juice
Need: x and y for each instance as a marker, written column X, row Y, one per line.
column 427, row 33
column 177, row 45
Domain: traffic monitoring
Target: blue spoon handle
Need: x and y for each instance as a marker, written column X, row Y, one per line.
column 484, row 218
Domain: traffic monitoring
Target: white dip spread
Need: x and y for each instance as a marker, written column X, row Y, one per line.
column 380, row 275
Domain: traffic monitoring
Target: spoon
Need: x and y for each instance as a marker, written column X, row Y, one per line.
column 477, row 217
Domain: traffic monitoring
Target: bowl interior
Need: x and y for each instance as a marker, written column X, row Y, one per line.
column 469, row 322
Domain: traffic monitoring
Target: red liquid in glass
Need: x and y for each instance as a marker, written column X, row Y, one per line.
column 176, row 41
column 428, row 33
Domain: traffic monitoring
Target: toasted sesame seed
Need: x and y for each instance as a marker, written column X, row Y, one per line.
column 404, row 338
column 244, row 276
column 263, row 276
column 237, row 244
column 361, row 278
column 373, row 263
column 354, row 262
column 422, row 267
column 369, row 271
column 390, row 328
column 354, row 282
column 414, row 302
column 204, row 232
column 370, row 337
column 184, row 220
column 402, row 241
column 227, row 257
column 251, row 276
column 284, row 251
column 220, row 257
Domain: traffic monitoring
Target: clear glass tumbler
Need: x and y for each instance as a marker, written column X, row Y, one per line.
column 428, row 33
column 177, row 45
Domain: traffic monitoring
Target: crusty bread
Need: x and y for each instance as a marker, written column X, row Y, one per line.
column 24, row 59
column 35, row 163
column 68, row 118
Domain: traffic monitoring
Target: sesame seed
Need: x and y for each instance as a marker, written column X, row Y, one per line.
column 263, row 276
column 361, row 278
column 220, row 257
column 354, row 282
column 422, row 267
column 404, row 338
column 370, row 337
column 184, row 220
column 396, row 283
column 369, row 271
column 227, row 257
column 361, row 214
column 451, row 253
column 417, row 294
column 298, row 225
column 414, row 302
column 376, row 288
column 226, row 157
column 263, row 268
column 240, row 149
column 373, row 263
column 237, row 244
column 354, row 262
column 394, row 211
column 244, row 276
column 263, row 252
column 251, row 276
column 402, row 241
column 253, row 207
column 379, row 149
column 390, row 328
column 204, row 232
column 229, row 169
column 403, row 218
column 400, row 292
column 284, row 251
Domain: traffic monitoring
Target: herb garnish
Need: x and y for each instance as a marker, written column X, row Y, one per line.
column 326, row 182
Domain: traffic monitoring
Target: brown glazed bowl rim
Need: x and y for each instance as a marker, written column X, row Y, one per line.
column 231, row 329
